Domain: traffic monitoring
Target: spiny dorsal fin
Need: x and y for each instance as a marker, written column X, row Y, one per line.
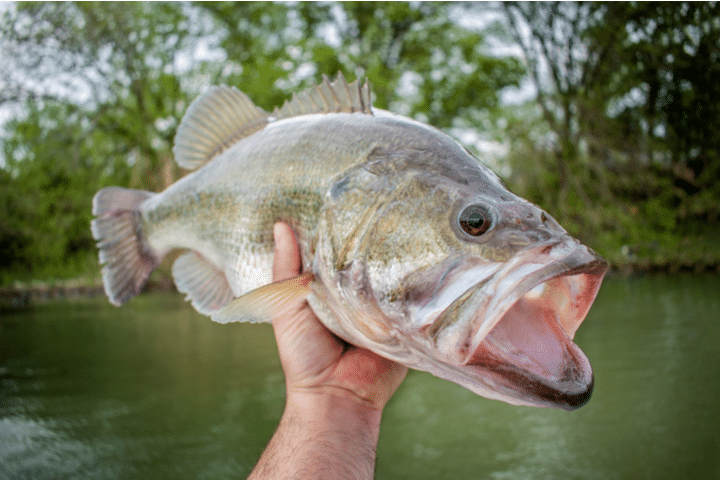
column 213, row 122
column 329, row 97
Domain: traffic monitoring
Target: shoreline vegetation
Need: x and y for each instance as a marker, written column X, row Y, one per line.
column 604, row 114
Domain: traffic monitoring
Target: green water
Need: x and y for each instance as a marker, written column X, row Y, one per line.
column 155, row 391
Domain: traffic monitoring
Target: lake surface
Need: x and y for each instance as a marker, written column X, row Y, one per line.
column 153, row 390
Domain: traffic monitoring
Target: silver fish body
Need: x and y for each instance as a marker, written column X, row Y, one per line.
column 415, row 249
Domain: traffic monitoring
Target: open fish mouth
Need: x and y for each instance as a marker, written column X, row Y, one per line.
column 524, row 351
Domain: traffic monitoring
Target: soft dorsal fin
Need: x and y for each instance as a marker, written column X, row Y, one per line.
column 329, row 97
column 213, row 122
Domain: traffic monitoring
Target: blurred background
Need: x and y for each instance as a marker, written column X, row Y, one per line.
column 604, row 114
column 607, row 115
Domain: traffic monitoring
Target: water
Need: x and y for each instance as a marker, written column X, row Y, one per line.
column 153, row 390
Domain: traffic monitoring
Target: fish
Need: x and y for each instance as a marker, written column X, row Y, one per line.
column 411, row 246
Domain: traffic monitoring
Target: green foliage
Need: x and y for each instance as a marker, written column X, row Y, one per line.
column 47, row 184
column 63, row 150
column 128, row 60
column 624, row 147
column 386, row 42
column 620, row 145
column 394, row 41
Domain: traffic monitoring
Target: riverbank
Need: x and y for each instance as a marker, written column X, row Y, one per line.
column 636, row 269
column 22, row 295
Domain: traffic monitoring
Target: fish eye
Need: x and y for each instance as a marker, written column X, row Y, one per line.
column 475, row 220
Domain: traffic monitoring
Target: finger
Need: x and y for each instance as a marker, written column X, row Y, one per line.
column 287, row 262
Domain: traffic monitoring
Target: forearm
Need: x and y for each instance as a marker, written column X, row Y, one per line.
column 321, row 436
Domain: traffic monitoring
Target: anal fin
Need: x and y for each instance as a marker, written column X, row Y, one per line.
column 204, row 284
column 261, row 304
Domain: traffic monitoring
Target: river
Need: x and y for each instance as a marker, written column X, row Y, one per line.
column 153, row 390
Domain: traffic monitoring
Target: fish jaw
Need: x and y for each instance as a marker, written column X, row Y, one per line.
column 510, row 336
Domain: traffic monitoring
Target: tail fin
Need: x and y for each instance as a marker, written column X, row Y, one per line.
column 127, row 258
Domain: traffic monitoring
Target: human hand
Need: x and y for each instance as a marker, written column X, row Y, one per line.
column 314, row 359
column 335, row 392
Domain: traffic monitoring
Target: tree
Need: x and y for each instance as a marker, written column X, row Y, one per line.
column 119, row 81
column 125, row 64
column 397, row 46
column 64, row 145
column 47, row 183
column 625, row 92
column 663, row 78
column 552, row 38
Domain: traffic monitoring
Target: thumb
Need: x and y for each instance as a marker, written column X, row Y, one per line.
column 287, row 262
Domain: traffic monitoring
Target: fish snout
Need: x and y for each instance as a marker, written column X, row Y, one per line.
column 523, row 226
column 513, row 335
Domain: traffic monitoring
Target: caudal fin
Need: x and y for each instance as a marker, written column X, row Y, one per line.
column 127, row 258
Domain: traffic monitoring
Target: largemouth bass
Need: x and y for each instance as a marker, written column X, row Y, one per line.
column 411, row 247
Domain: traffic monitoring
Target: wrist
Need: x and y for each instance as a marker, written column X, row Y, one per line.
column 321, row 433
column 334, row 409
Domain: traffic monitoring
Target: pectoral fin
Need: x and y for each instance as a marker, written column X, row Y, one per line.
column 261, row 304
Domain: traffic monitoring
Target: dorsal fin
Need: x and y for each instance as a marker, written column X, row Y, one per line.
column 329, row 97
column 213, row 122
column 224, row 115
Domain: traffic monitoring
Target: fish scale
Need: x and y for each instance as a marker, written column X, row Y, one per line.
column 392, row 260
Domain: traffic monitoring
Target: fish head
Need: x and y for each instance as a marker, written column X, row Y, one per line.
column 441, row 268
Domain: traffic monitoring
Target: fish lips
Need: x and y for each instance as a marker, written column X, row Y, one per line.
column 521, row 324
